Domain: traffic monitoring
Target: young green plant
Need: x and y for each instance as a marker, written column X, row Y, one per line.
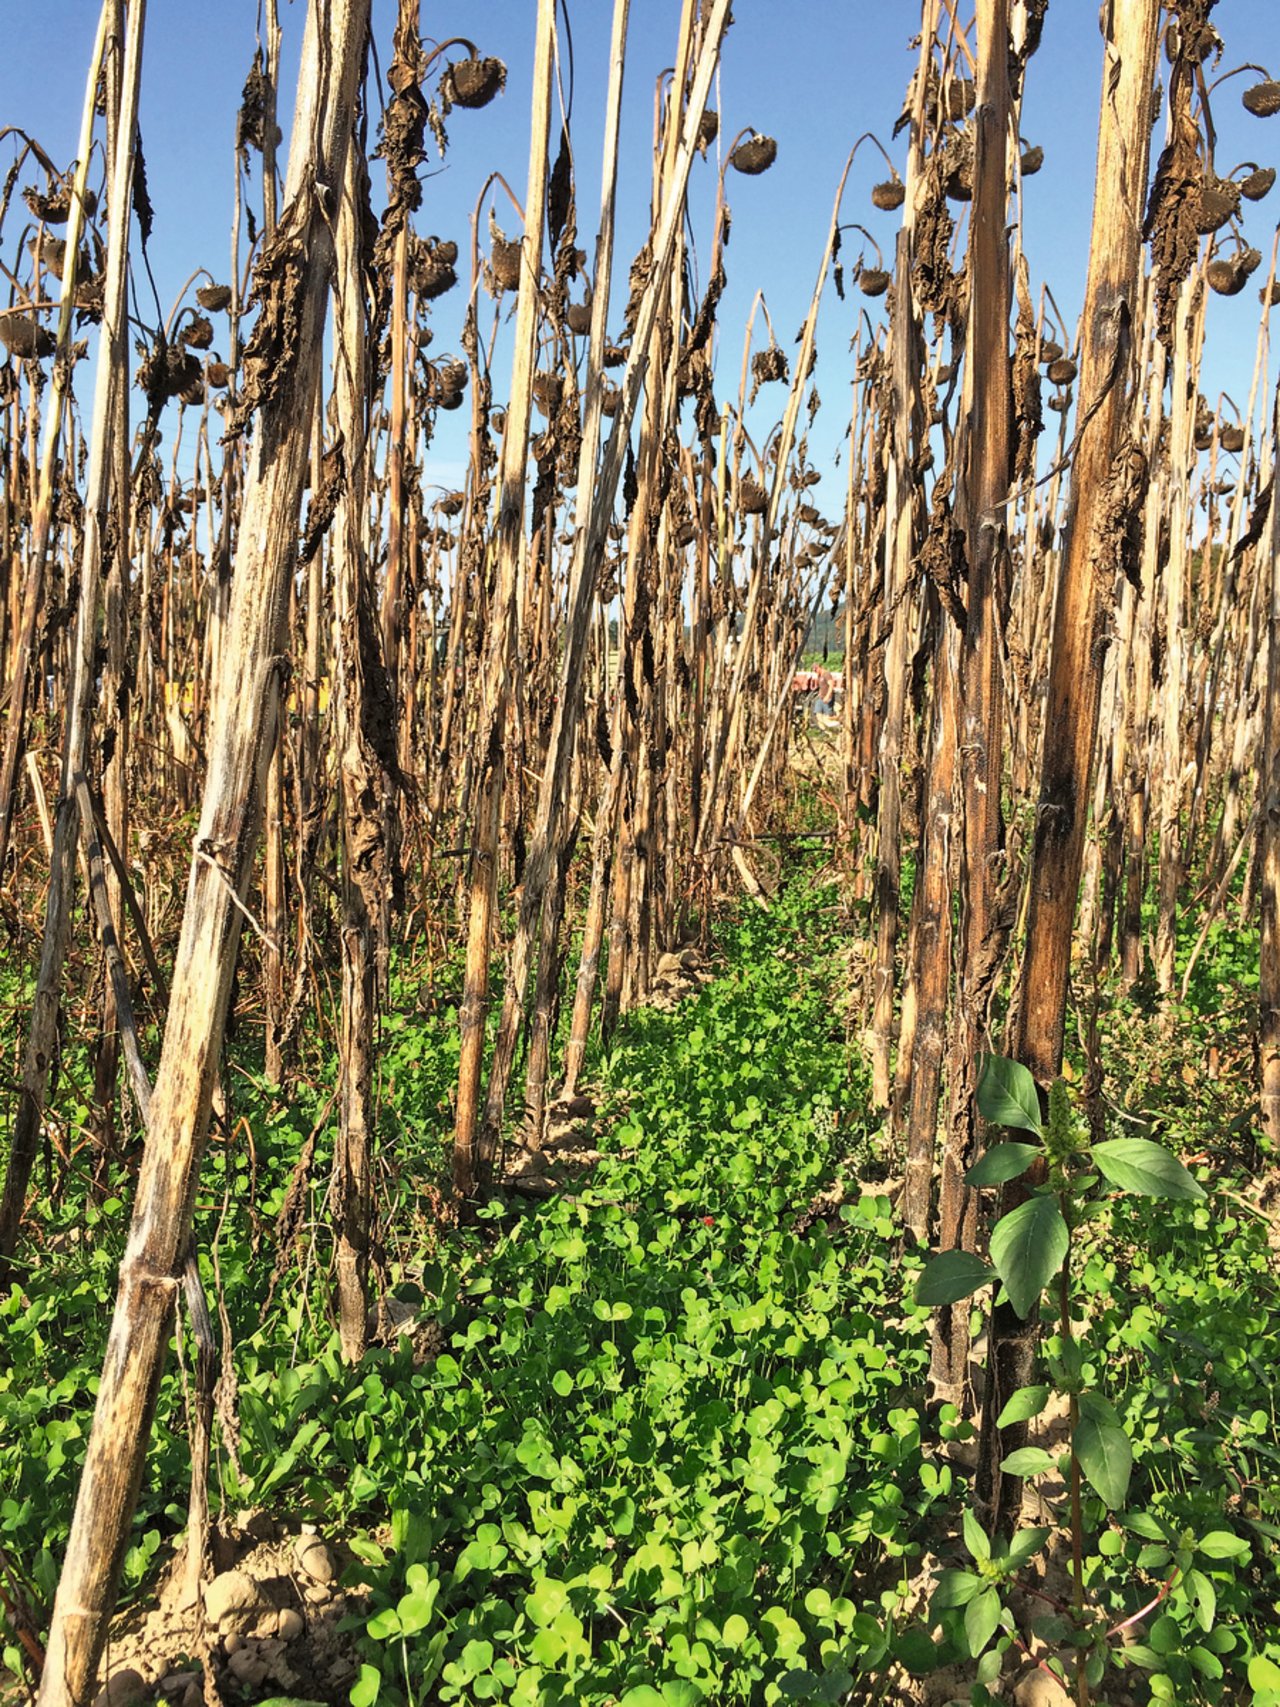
column 1030, row 1248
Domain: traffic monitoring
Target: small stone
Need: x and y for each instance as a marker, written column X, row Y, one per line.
column 193, row 1696
column 315, row 1559
column 232, row 1601
column 315, row 1593
column 122, row 1689
column 290, row 1624
column 248, row 1667
column 1037, row 1689
column 176, row 1682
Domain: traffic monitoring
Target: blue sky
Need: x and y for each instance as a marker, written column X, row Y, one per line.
column 813, row 73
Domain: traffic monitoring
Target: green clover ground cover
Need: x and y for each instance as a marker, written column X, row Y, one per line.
column 672, row 1453
column 670, row 1450
column 670, row 1447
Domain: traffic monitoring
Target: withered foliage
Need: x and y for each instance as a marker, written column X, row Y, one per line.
column 276, row 294
column 1174, row 209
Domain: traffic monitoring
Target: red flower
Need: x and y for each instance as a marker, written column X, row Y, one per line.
column 708, row 1220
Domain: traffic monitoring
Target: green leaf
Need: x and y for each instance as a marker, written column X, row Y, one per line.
column 980, row 1619
column 1007, row 1094
column 1026, row 1544
column 955, row 1588
column 1222, row 1544
column 735, row 1631
column 916, row 1650
column 1138, row 1165
column 1205, row 1662
column 1028, row 1247
column 364, row 1691
column 989, row 1666
column 415, row 1609
column 546, row 1601
column 1098, row 1409
column 1028, row 1461
column 1142, row 1523
column 950, row 1276
column 1106, row 1458
column 975, row 1537
column 1026, row 1403
column 1002, row 1162
column 1203, row 1597
column 1263, row 1673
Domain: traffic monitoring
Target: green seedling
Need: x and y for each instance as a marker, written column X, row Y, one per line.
column 1030, row 1250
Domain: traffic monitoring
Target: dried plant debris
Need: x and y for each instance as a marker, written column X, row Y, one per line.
column 278, row 285
column 432, row 264
column 255, row 99
column 403, row 146
column 54, row 206
column 938, row 289
column 446, row 382
column 1028, row 418
column 168, row 371
column 766, row 367
column 1258, row 183
column 1177, row 204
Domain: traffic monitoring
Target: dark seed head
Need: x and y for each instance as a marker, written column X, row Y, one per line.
column 505, row 262
column 1217, row 201
column 1258, row 183
column 889, row 195
column 1225, row 277
column 473, row 82
column 755, row 155
column 197, row 334
column 1263, row 99
column 23, row 336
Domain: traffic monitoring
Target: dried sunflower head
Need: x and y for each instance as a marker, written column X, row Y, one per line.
column 214, row 297
column 1262, row 99
column 755, row 154
column 472, row 82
